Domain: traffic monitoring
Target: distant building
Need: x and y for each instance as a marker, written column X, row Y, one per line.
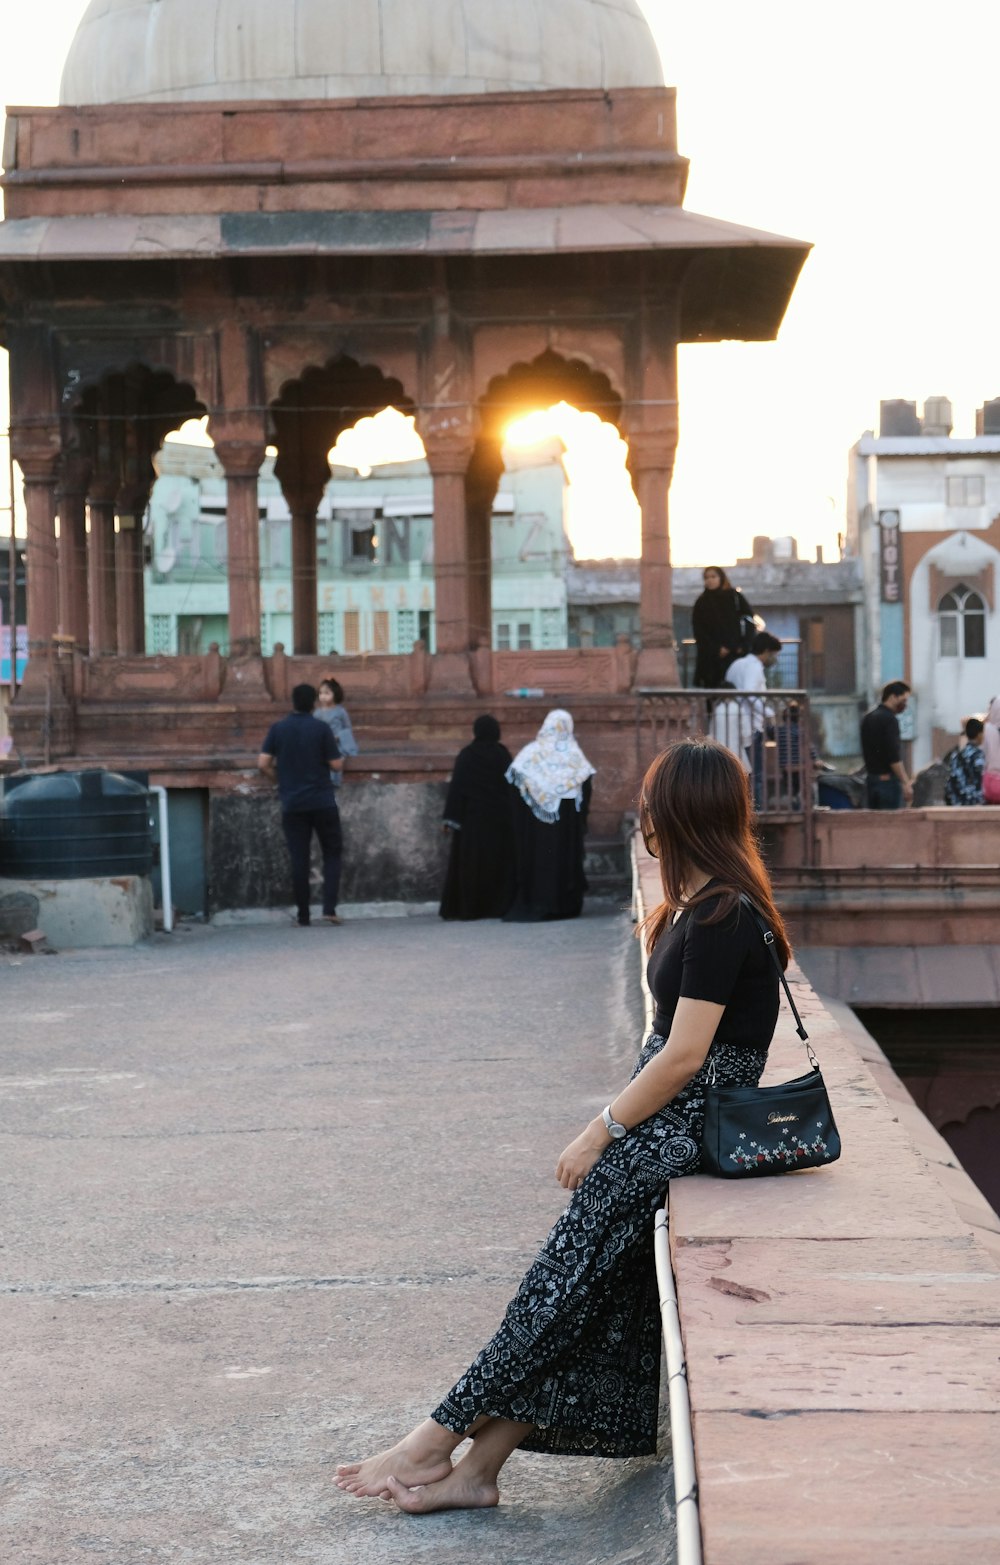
column 815, row 608
column 375, row 556
column 924, row 519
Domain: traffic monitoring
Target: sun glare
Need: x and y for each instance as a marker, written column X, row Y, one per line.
column 602, row 515
column 390, row 436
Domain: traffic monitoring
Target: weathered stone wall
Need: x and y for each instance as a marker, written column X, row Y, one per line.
column 394, row 848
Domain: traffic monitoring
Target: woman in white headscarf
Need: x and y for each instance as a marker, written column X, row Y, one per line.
column 991, row 753
column 552, row 777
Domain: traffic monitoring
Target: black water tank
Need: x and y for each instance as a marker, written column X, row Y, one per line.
column 71, row 825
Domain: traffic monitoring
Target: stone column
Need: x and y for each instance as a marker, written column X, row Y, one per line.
column 130, row 587
column 241, row 462
column 101, row 584
column 304, row 503
column 481, row 486
column 71, row 503
column 241, row 454
column 651, row 468
column 39, row 468
column 651, row 463
column 450, row 669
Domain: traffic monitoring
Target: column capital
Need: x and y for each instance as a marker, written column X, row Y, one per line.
column 447, row 453
column 240, row 458
column 303, row 499
column 651, row 450
column 39, row 464
column 103, row 488
column 74, row 474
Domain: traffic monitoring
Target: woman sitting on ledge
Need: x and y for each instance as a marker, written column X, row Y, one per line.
column 574, row 1367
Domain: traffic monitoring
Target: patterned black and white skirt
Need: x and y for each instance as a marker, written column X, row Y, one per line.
column 578, row 1353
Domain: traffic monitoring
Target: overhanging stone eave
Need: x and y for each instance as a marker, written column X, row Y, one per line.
column 737, row 281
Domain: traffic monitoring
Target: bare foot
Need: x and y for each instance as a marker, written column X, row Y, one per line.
column 458, row 1491
column 417, row 1459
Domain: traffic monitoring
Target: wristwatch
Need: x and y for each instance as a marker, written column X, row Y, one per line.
column 611, row 1125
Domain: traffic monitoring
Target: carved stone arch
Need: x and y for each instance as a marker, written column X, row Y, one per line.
column 527, row 385
column 120, row 420
column 309, row 414
column 312, row 410
column 543, row 381
column 111, row 433
column 188, row 360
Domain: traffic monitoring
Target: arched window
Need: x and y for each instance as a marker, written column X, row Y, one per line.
column 962, row 618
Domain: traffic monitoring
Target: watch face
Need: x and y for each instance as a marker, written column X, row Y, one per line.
column 616, row 1131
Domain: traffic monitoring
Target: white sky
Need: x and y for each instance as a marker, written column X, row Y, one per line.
column 867, row 127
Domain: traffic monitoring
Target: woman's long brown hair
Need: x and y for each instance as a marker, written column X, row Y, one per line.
column 696, row 815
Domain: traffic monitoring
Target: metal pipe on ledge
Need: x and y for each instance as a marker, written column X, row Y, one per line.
column 681, row 1431
column 166, row 889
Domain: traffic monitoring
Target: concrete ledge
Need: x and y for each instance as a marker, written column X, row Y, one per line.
column 232, row 917
column 92, row 913
column 841, row 1331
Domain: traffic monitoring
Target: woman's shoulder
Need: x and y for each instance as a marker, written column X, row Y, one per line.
column 722, row 914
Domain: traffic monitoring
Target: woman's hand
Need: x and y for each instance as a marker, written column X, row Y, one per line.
column 581, row 1155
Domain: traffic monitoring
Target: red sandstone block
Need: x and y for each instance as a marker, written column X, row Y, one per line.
column 928, row 1368
column 33, row 942
column 861, row 1282
column 849, row 1488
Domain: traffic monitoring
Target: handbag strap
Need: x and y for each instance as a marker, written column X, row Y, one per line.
column 768, row 935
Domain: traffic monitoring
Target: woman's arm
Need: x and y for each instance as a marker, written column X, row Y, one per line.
column 694, row 1026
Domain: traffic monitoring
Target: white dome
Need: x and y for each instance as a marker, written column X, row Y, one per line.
column 182, row 51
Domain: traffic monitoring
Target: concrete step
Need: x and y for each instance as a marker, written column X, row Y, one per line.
column 607, row 867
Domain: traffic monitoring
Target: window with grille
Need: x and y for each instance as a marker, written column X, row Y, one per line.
column 503, row 637
column 161, row 633
column 815, row 650
column 380, row 630
column 326, row 627
column 524, row 636
column 966, row 489
column 352, row 631
column 962, row 624
column 406, row 629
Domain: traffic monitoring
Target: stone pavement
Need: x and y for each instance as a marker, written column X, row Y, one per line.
column 266, row 1191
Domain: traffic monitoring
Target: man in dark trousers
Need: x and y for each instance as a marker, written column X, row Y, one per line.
column 887, row 784
column 303, row 752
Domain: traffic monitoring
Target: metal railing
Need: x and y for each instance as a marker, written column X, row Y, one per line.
column 789, row 671
column 768, row 731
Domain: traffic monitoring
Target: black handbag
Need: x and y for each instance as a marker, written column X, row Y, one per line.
column 750, row 1131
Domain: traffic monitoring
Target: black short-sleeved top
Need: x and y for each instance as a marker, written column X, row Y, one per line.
column 727, row 963
column 303, row 748
column 880, row 742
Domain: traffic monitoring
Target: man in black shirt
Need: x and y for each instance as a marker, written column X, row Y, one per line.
column 887, row 782
column 302, row 752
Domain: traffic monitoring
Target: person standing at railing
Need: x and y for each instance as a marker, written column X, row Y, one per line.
column 749, row 674
column 719, row 621
column 966, row 763
column 887, row 784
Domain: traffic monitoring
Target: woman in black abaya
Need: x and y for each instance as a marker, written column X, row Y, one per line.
column 479, row 882
column 552, row 777
column 716, row 621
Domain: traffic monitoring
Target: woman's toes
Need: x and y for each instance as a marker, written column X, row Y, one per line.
column 412, row 1500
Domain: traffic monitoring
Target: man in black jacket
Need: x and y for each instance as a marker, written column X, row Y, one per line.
column 302, row 752
column 887, row 784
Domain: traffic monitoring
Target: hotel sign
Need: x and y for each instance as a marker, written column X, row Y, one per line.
column 889, row 556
